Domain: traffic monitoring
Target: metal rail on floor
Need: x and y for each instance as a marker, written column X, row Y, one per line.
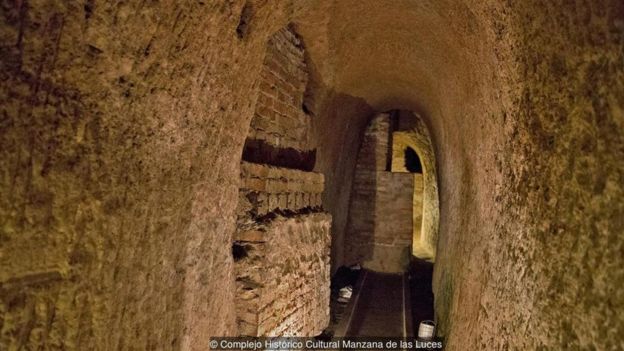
column 408, row 327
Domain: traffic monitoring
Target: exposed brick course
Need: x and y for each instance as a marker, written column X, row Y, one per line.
column 283, row 280
column 380, row 224
column 283, row 283
column 265, row 189
column 279, row 118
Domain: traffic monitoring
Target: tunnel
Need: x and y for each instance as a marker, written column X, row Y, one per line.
column 173, row 172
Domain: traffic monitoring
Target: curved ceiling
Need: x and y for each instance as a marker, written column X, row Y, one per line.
column 399, row 53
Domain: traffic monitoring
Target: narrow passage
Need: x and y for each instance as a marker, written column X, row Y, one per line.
column 381, row 307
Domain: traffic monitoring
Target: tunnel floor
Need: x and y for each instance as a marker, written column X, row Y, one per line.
column 385, row 305
column 380, row 306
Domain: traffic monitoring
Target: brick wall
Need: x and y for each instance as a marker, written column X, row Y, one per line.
column 279, row 118
column 337, row 156
column 265, row 189
column 380, row 225
column 282, row 282
column 373, row 153
column 380, row 230
column 283, row 236
column 282, row 271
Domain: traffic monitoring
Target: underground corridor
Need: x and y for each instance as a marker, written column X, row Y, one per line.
column 175, row 174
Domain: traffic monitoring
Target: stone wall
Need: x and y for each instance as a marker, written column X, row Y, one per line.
column 554, row 261
column 380, row 224
column 121, row 130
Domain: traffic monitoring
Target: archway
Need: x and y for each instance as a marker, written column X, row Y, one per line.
column 388, row 224
column 412, row 151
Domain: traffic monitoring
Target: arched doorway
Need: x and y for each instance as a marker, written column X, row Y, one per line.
column 412, row 151
column 393, row 213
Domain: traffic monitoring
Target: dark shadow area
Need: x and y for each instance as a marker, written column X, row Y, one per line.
column 412, row 161
column 238, row 251
column 259, row 151
column 344, row 277
column 420, row 278
column 245, row 18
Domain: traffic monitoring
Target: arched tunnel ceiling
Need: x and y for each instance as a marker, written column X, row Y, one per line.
column 399, row 54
